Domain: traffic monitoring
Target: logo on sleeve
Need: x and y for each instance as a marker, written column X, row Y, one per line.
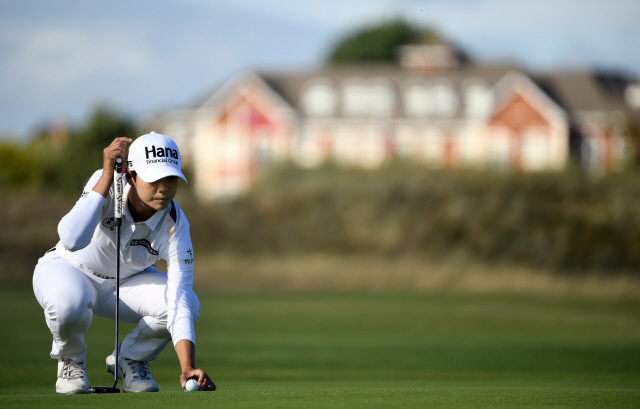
column 188, row 261
column 144, row 243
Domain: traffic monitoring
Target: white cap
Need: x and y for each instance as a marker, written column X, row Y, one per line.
column 155, row 156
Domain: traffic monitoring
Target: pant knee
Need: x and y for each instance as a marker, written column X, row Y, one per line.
column 69, row 312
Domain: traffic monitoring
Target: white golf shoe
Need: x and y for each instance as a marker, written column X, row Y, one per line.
column 72, row 377
column 135, row 375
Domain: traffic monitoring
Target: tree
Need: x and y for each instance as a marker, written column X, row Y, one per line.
column 83, row 154
column 379, row 43
column 15, row 166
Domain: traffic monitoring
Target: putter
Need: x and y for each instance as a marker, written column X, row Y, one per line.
column 118, row 189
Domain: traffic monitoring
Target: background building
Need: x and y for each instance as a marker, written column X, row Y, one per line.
column 435, row 108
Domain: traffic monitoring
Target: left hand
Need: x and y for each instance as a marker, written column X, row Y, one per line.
column 204, row 382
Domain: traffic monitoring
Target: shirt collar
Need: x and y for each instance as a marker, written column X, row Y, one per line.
column 152, row 221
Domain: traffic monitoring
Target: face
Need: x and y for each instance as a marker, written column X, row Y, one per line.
column 156, row 195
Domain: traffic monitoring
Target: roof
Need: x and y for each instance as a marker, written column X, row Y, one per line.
column 290, row 85
column 578, row 92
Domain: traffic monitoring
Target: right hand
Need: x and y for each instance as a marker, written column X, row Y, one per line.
column 204, row 382
column 117, row 148
column 110, row 153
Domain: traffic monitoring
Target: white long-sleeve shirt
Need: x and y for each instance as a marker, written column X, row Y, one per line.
column 88, row 232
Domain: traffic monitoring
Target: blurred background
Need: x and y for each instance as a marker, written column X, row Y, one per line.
column 469, row 145
column 382, row 193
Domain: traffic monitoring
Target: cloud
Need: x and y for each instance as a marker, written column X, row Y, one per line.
column 329, row 13
column 51, row 59
column 60, row 63
column 538, row 33
column 59, row 58
column 52, row 71
column 543, row 33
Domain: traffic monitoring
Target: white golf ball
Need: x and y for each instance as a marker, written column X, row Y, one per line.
column 192, row 385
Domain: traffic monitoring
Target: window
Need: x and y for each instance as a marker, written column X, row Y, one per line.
column 445, row 100
column 319, row 98
column 363, row 98
column 478, row 100
column 418, row 101
column 381, row 98
column 231, row 148
column 535, row 150
column 632, row 95
column 355, row 98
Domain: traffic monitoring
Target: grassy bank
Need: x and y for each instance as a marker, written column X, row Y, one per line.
column 567, row 223
column 343, row 273
column 412, row 227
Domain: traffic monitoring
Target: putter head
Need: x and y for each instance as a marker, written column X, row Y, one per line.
column 104, row 389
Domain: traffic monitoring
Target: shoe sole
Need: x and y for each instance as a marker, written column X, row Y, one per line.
column 152, row 389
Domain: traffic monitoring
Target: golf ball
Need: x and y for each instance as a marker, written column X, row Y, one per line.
column 192, row 385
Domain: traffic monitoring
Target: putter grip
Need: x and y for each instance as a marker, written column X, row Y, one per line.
column 118, row 189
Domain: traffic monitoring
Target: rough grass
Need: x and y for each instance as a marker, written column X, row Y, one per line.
column 338, row 272
column 564, row 222
column 29, row 227
column 399, row 228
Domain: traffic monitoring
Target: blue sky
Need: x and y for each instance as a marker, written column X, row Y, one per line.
column 59, row 59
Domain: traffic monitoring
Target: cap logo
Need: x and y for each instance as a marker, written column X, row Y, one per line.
column 154, row 156
column 161, row 153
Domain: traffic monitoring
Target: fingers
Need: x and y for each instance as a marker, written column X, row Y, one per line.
column 204, row 382
column 207, row 384
column 118, row 148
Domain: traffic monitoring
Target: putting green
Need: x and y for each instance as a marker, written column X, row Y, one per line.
column 363, row 350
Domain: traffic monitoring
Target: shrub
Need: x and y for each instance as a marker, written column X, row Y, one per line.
column 562, row 221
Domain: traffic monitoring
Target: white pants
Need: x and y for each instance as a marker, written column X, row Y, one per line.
column 70, row 297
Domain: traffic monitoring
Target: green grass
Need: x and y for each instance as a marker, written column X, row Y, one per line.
column 349, row 398
column 345, row 350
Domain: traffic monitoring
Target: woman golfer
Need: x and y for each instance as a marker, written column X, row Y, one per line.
column 76, row 279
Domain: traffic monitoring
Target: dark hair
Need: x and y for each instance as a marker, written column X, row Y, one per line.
column 133, row 174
